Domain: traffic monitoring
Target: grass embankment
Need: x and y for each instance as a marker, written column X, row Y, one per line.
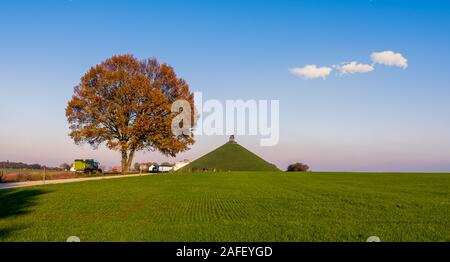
column 233, row 206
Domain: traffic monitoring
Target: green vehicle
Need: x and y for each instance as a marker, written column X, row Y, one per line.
column 86, row 166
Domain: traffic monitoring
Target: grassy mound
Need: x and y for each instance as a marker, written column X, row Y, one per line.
column 230, row 157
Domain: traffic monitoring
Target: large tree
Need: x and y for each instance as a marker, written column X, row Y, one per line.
column 126, row 103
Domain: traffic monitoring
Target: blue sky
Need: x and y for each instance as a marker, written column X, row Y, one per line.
column 390, row 119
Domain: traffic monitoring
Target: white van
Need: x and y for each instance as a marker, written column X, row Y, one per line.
column 160, row 169
column 165, row 169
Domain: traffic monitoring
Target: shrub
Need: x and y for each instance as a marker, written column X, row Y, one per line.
column 298, row 167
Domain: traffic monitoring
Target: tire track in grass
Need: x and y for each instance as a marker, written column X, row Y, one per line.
column 210, row 209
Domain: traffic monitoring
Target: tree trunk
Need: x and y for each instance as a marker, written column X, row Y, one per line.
column 127, row 160
column 130, row 159
column 124, row 161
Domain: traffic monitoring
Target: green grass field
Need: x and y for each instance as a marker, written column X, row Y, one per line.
column 233, row 206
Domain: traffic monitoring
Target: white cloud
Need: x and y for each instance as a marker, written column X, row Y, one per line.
column 354, row 67
column 390, row 58
column 312, row 71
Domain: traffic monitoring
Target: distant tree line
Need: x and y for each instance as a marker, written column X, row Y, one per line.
column 65, row 166
column 20, row 165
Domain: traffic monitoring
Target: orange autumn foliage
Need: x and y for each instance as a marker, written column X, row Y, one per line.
column 125, row 103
